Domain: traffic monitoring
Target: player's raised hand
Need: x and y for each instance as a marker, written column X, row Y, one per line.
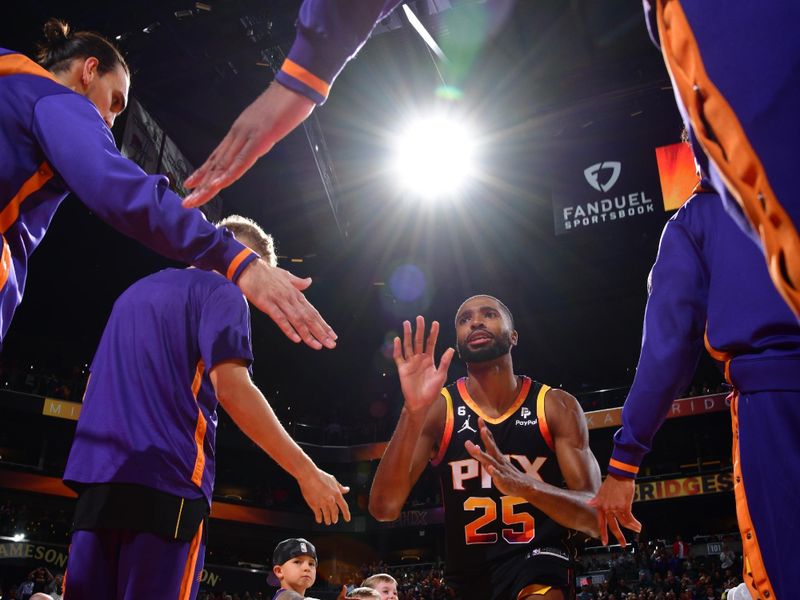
column 260, row 126
column 420, row 379
column 614, row 502
column 279, row 294
column 325, row 496
column 506, row 477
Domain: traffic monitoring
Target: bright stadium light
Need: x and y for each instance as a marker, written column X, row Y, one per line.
column 434, row 157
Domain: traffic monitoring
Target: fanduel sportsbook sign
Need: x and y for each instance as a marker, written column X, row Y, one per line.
column 604, row 194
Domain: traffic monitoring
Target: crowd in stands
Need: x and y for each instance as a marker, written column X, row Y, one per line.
column 657, row 571
column 30, row 379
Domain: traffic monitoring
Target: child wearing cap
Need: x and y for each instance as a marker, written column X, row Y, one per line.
column 384, row 584
column 294, row 563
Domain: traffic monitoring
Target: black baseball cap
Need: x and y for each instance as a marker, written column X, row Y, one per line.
column 288, row 549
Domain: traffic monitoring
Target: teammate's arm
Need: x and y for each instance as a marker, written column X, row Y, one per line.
column 254, row 416
column 81, row 151
column 421, row 420
column 568, row 507
column 329, row 33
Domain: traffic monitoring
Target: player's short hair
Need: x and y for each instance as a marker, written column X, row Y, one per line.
column 500, row 303
column 249, row 233
column 61, row 45
column 364, row 593
column 378, row 578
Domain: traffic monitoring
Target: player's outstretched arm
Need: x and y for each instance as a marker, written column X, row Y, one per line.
column 568, row 507
column 276, row 112
column 254, row 416
column 279, row 294
column 421, row 420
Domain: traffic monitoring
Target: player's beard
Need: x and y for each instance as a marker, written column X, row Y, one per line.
column 501, row 344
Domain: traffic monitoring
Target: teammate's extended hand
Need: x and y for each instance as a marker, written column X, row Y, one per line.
column 506, row 477
column 420, row 379
column 260, row 126
column 614, row 502
column 278, row 293
column 324, row 495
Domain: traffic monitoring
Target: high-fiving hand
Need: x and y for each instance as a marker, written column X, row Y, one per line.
column 614, row 502
column 420, row 379
column 506, row 477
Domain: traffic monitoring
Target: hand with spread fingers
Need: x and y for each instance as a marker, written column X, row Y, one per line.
column 420, row 379
column 266, row 121
column 279, row 294
column 324, row 495
column 506, row 477
column 614, row 503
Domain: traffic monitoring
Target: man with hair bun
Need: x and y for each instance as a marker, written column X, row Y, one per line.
column 55, row 118
column 177, row 343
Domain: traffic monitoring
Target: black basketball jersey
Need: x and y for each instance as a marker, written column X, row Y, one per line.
column 482, row 524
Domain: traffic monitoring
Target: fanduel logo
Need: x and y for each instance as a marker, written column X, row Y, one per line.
column 592, row 174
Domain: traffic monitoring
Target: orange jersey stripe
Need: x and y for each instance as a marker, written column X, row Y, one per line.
column 523, row 393
column 756, row 575
column 5, row 263
column 541, row 416
column 724, row 140
column 34, row 183
column 447, row 434
column 187, row 581
column 200, row 429
column 623, row 466
column 320, row 86
column 19, row 64
column 237, row 260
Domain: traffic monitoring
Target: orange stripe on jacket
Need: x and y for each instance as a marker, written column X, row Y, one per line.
column 320, row 86
column 5, row 262
column 187, row 581
column 541, row 416
column 523, row 393
column 756, row 577
column 447, row 434
column 237, row 260
column 617, row 464
column 200, row 429
column 727, row 144
column 19, row 64
column 34, row 183
column 719, row 355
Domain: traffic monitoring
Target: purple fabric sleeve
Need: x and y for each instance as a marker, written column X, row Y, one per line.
column 329, row 33
column 80, row 149
column 672, row 340
column 224, row 332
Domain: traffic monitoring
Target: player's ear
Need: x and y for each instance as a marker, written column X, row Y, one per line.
column 514, row 337
column 278, row 571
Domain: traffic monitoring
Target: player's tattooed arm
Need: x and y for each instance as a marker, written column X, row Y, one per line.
column 421, row 420
column 568, row 507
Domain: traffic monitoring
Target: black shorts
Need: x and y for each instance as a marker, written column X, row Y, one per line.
column 506, row 577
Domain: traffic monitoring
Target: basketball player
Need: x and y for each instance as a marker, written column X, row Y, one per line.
column 142, row 461
column 507, row 520
column 55, row 139
column 738, row 100
column 709, row 285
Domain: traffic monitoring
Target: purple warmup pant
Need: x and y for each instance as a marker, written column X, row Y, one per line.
column 766, row 417
column 113, row 564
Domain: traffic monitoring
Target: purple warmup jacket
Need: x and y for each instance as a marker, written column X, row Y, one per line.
column 708, row 280
column 149, row 415
column 53, row 142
